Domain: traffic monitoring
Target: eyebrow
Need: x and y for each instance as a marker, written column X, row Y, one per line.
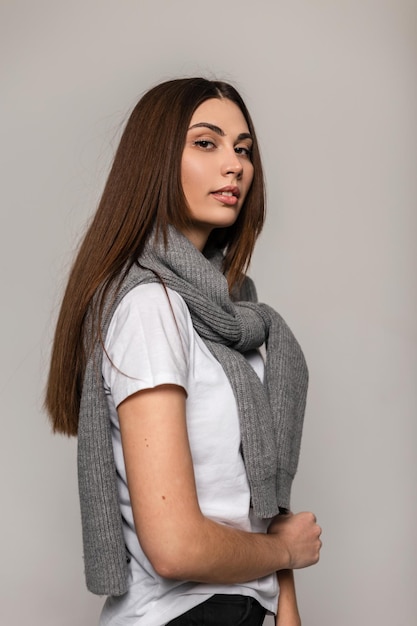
column 218, row 130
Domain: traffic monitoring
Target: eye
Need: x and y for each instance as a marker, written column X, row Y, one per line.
column 243, row 151
column 205, row 144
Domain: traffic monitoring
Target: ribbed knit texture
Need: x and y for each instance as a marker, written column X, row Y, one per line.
column 271, row 413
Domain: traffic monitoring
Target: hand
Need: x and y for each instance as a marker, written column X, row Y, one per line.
column 300, row 534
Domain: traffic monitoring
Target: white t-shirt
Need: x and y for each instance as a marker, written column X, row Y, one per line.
column 151, row 341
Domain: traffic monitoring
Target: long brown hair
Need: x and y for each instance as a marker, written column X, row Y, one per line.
column 143, row 190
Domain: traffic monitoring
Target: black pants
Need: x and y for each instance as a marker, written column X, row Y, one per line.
column 223, row 610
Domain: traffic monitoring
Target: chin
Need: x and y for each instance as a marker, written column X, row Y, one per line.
column 225, row 220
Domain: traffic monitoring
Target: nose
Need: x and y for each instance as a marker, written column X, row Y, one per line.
column 232, row 164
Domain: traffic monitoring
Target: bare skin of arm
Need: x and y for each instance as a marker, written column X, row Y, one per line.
column 180, row 542
column 287, row 614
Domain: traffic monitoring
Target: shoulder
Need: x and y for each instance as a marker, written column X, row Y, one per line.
column 149, row 303
column 152, row 295
column 153, row 315
column 148, row 341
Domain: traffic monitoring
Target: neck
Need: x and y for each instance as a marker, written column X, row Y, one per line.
column 197, row 237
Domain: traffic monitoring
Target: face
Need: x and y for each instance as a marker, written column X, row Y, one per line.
column 216, row 167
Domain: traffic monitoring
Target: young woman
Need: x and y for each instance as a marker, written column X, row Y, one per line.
column 188, row 437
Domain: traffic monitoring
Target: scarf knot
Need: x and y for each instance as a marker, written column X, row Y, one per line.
column 254, row 326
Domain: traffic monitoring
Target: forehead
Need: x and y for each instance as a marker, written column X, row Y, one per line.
column 223, row 113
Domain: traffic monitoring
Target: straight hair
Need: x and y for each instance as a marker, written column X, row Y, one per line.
column 143, row 191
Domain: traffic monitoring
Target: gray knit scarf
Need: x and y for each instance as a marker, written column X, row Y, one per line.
column 271, row 413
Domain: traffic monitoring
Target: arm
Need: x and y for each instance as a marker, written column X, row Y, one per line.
column 287, row 614
column 178, row 540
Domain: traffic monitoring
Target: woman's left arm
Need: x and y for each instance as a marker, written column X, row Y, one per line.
column 287, row 613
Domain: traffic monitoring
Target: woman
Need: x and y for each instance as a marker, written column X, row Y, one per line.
column 156, row 366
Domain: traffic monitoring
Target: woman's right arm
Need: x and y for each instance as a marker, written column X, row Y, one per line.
column 180, row 542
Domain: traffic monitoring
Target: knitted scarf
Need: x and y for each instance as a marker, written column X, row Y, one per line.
column 270, row 413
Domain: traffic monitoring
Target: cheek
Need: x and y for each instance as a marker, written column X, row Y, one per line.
column 193, row 168
column 249, row 172
column 193, row 175
column 188, row 171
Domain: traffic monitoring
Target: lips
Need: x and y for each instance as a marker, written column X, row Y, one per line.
column 227, row 195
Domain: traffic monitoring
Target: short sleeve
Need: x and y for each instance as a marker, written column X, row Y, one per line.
column 147, row 343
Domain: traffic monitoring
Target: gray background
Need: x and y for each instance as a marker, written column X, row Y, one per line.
column 332, row 88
